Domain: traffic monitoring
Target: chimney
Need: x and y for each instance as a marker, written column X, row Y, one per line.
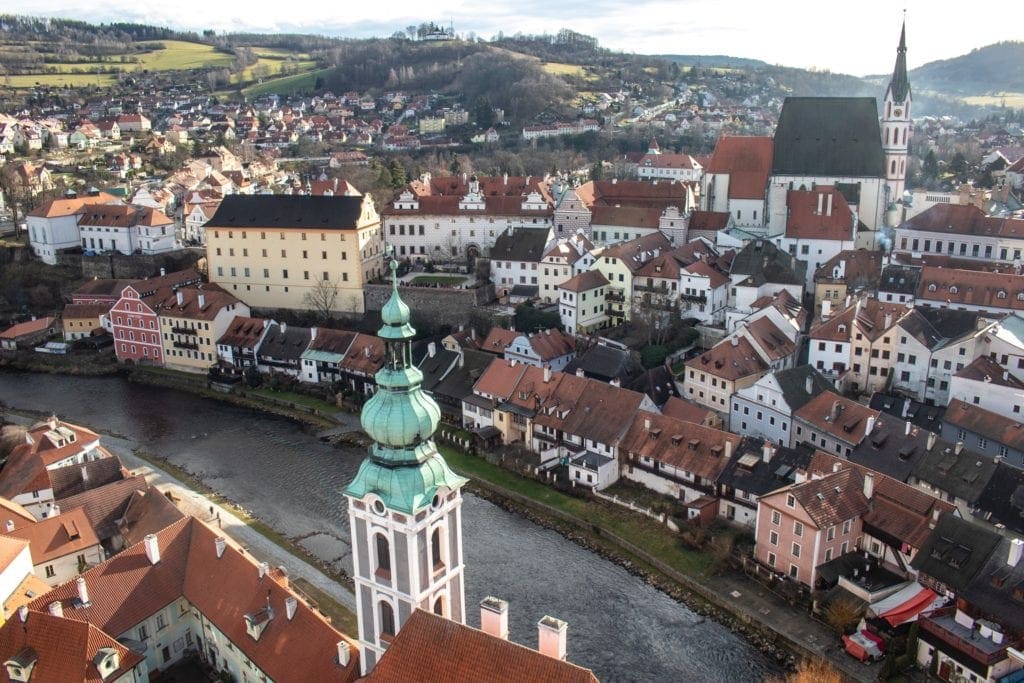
column 1016, row 548
column 23, row 613
column 494, row 617
column 85, row 474
column 56, row 608
column 869, row 426
column 767, row 452
column 53, row 422
column 826, row 309
column 906, row 407
column 163, row 271
column 264, row 568
column 551, row 637
column 931, row 440
column 869, row 485
column 728, row 449
column 83, row 592
column 888, row 320
column 836, row 467
column 432, row 349
column 181, row 297
column 220, row 544
column 959, row 447
column 828, row 204
column 821, row 198
column 290, row 605
column 344, row 653
column 312, row 333
column 152, row 548
column 809, row 384
column 367, row 350
column 202, row 300
column 647, row 424
column 906, row 428
column 735, row 341
column 547, row 374
column 579, row 372
column 615, row 382
column 9, row 526
column 284, row 327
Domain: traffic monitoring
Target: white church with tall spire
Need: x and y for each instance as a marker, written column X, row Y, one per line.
column 896, row 124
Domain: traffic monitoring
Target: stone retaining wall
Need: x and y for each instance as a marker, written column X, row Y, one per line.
column 434, row 305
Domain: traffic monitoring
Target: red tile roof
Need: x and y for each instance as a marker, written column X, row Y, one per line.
column 429, row 649
column 821, row 214
column 243, row 332
column 68, row 533
column 685, row 411
column 840, row 417
column 730, row 362
column 498, row 340
column 747, row 160
column 128, row 588
column 965, row 219
column 56, row 208
column 991, row 425
column 709, row 220
column 215, row 299
column 365, row 355
column 585, row 281
column 832, row 499
column 64, row 649
column 986, row 290
column 26, row 328
column 687, row 446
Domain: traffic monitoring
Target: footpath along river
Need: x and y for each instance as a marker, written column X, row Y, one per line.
column 619, row 626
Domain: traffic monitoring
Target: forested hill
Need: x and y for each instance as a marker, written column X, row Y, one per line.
column 987, row 70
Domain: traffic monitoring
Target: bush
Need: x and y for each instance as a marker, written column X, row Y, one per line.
column 842, row 614
column 653, row 356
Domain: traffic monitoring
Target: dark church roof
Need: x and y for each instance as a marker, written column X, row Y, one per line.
column 829, row 136
column 900, row 84
column 287, row 211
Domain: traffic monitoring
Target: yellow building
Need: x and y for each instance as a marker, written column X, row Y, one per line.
column 295, row 251
column 192, row 319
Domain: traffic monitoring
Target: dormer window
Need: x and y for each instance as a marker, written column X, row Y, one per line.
column 1001, row 294
column 257, row 621
column 19, row 667
column 107, row 661
column 931, row 287
column 954, row 289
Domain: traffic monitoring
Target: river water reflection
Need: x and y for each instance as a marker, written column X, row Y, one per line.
column 618, row 626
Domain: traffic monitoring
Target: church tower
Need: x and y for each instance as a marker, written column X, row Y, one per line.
column 405, row 504
column 896, row 125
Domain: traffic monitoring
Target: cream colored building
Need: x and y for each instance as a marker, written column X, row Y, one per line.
column 192, row 319
column 295, row 251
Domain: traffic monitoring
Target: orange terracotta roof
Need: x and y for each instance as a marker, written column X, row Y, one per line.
column 585, row 281
column 128, row 588
column 702, row 269
column 64, row 649
column 991, row 425
column 10, row 548
column 709, row 220
column 636, row 252
column 243, row 332
column 85, row 311
column 821, row 213
column 685, row 411
column 832, row 499
column 972, row 287
column 26, row 328
column 551, row 344
column 730, row 362
column 747, row 160
column 215, row 300
column 840, row 417
column 771, row 339
column 365, row 355
column 500, row 378
column 684, row 445
column 68, row 533
column 626, row 216
column 56, row 208
column 965, row 219
column 498, row 339
column 432, row 648
column 868, row 315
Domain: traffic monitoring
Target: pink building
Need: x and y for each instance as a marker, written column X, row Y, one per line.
column 803, row 525
column 135, row 323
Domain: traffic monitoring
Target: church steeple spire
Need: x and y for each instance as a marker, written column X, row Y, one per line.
column 899, row 86
column 404, row 502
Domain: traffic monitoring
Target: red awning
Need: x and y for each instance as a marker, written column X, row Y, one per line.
column 908, row 606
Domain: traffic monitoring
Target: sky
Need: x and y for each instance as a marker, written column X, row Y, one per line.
column 858, row 38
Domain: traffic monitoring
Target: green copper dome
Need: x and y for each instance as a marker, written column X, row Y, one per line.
column 404, row 468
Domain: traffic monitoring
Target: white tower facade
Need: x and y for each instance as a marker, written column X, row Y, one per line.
column 896, row 125
column 405, row 504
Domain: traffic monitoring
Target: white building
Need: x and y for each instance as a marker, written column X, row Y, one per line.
column 765, row 408
column 581, row 303
column 819, row 226
column 986, row 384
column 53, row 227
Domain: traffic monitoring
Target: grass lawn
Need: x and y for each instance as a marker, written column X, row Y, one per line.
column 286, row 85
column 179, row 54
column 1012, row 99
column 293, row 397
column 654, row 538
column 58, row 80
column 341, row 617
column 443, row 280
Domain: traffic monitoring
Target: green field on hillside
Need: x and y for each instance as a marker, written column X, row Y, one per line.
column 287, row 85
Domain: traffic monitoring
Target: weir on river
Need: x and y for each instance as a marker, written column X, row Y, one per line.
column 619, row 626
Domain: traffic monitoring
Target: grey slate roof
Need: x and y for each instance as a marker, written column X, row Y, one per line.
column 919, row 414
column 890, row 450
column 68, row 481
column 658, row 383
column 764, row 262
column 965, row 475
column 829, row 136
column 287, row 211
column 523, row 244
column 434, row 368
column 899, row 86
column 285, row 344
column 955, row 551
column 1002, row 501
column 793, row 383
column 992, row 589
column 764, row 477
column 899, row 279
column 934, row 327
column 605, row 363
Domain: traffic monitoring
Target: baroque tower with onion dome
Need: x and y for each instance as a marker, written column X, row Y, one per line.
column 405, row 503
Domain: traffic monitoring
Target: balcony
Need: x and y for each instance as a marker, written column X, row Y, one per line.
column 940, row 627
column 183, row 330
column 654, row 289
column 186, row 345
column 614, row 295
column 695, row 298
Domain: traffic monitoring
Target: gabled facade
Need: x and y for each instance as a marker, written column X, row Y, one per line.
column 135, row 320
column 192, row 320
column 765, row 409
column 832, row 423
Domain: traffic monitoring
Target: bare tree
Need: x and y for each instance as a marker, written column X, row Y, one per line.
column 321, row 299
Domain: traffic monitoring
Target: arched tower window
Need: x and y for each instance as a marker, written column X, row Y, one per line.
column 439, row 607
column 892, row 167
column 387, row 621
column 887, row 135
column 383, row 556
column 437, row 549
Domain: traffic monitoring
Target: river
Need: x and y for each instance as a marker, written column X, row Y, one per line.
column 619, row 627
